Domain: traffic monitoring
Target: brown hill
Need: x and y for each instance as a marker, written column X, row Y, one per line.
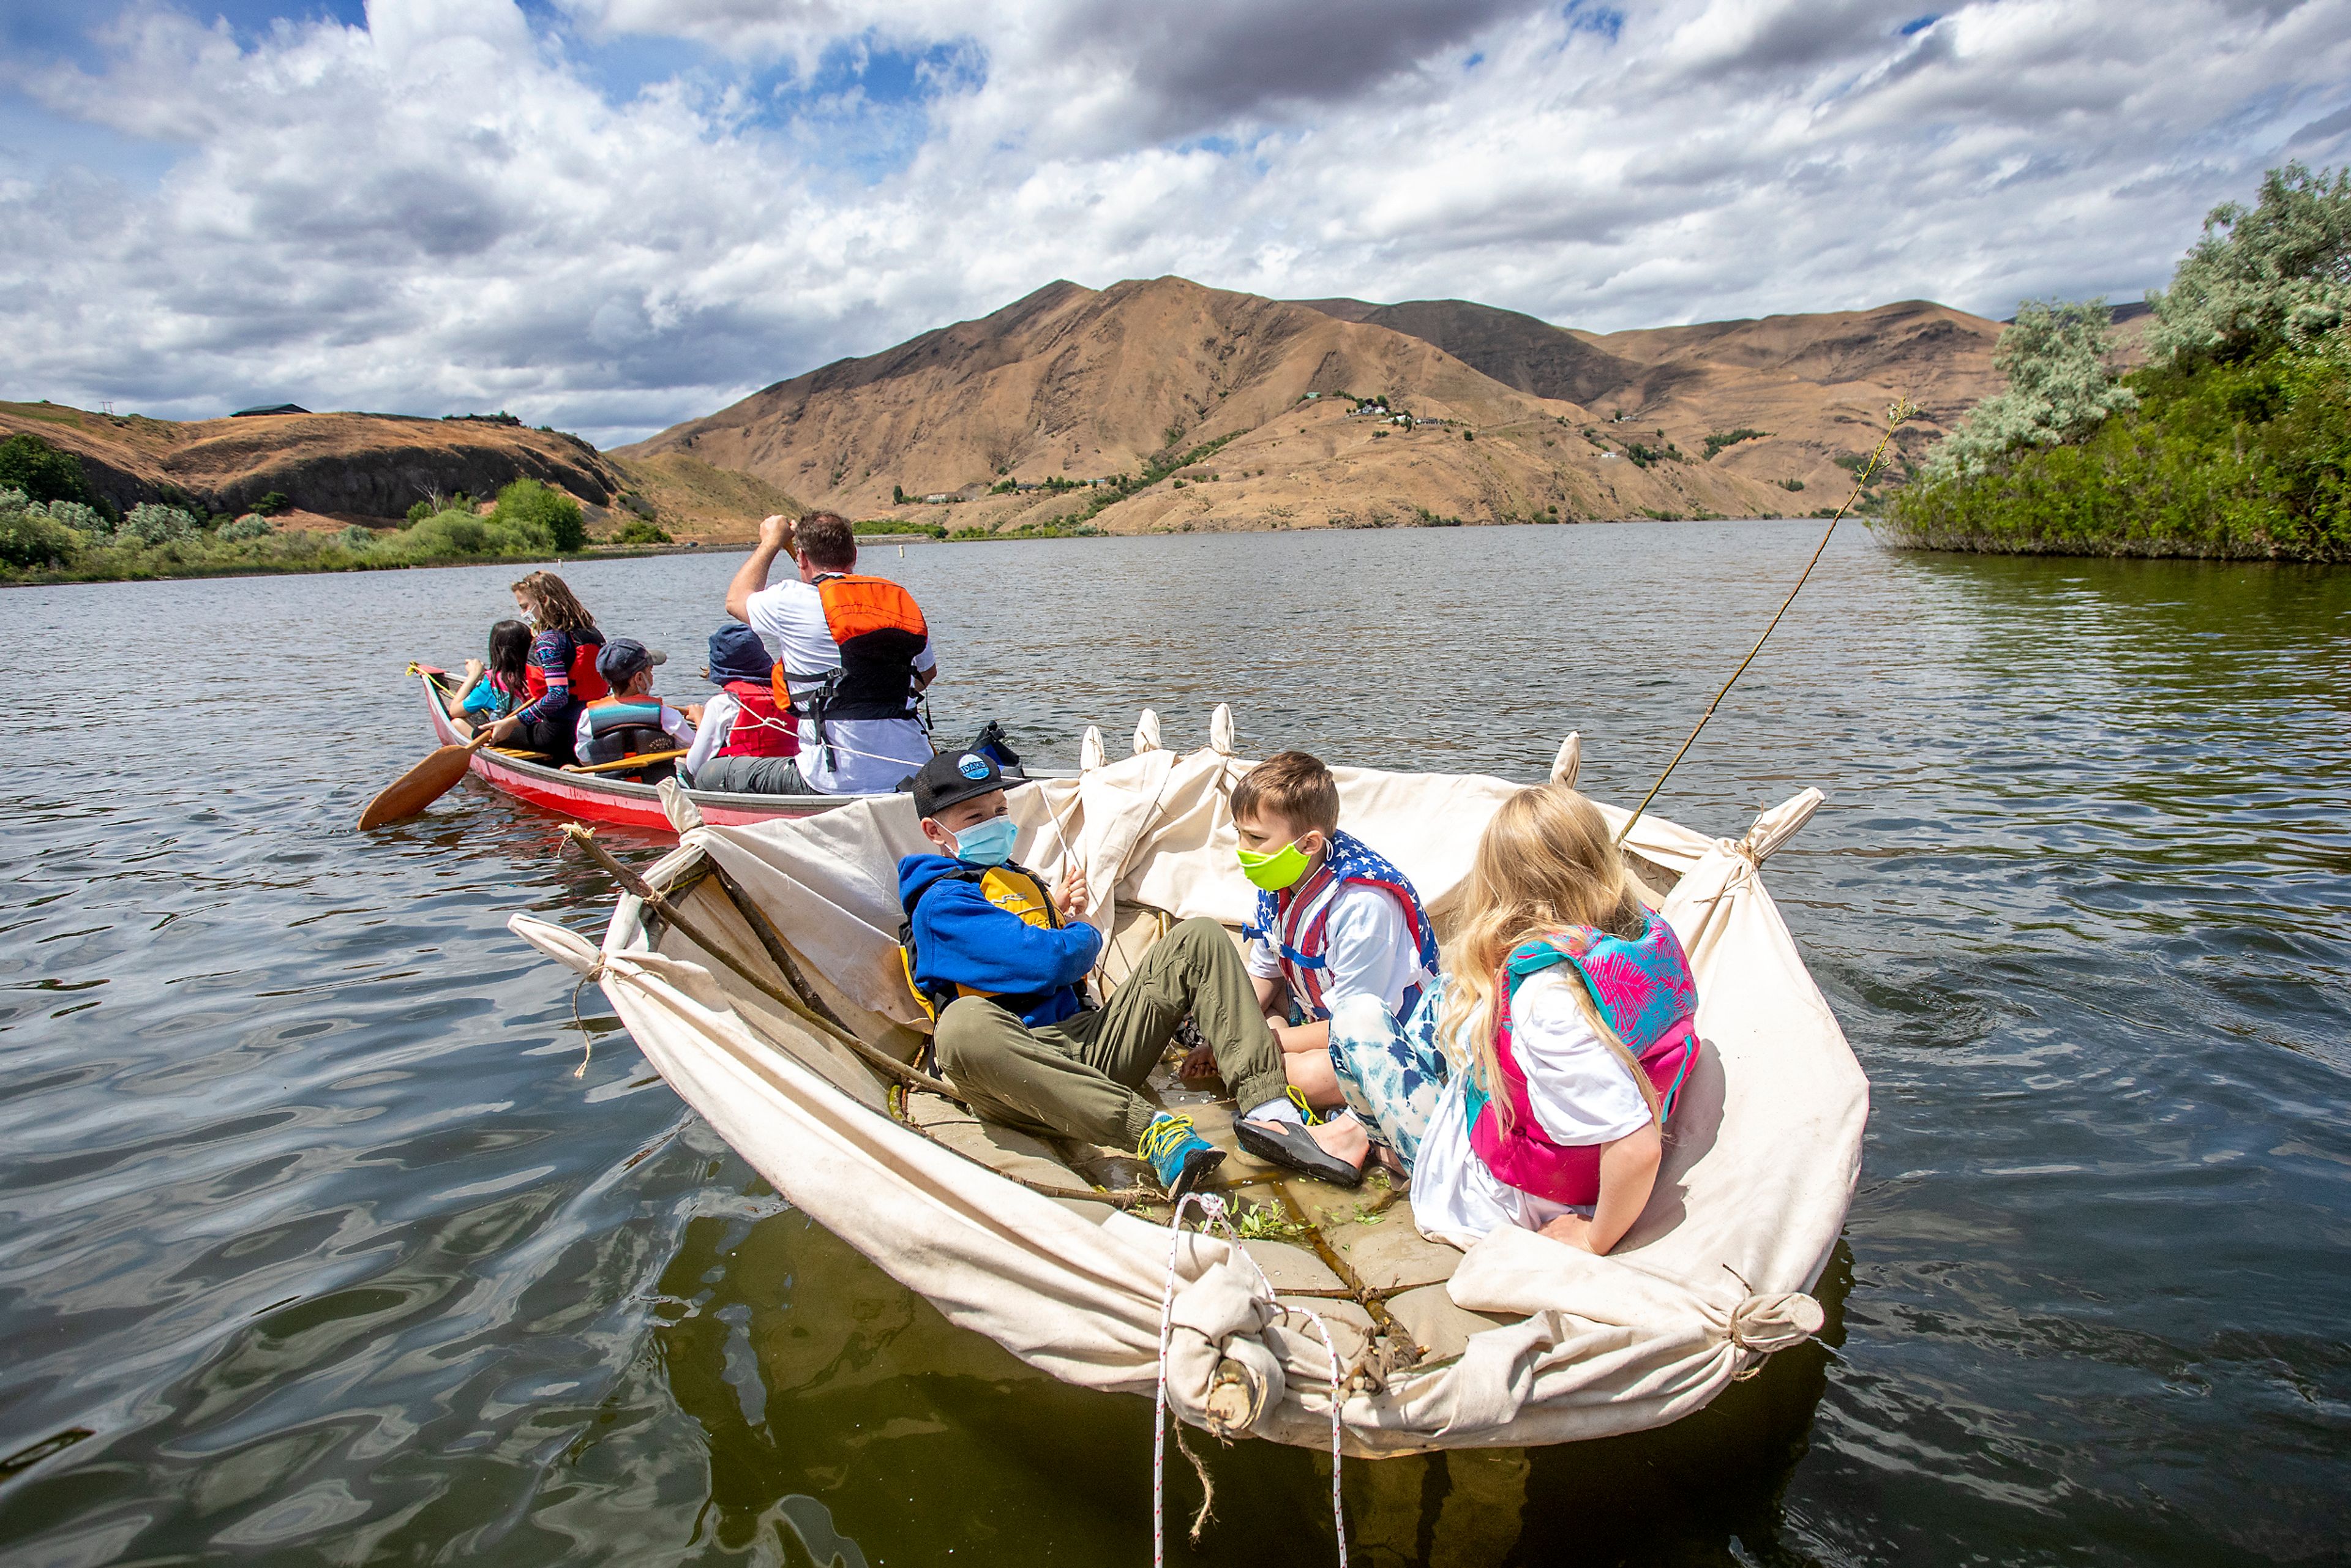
column 350, row 466
column 341, row 468
column 1517, row 350
column 1817, row 384
column 1071, row 383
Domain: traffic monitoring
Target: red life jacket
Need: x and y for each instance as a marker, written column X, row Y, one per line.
column 587, row 686
column 1644, row 991
column 761, row 730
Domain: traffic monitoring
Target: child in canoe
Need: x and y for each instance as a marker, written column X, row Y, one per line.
column 493, row 687
column 1567, row 1010
column 629, row 719
column 1342, row 942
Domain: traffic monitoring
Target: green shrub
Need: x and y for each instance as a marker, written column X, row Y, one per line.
column 420, row 511
column 457, row 536
column 272, row 504
column 1792, row 485
column 152, row 523
column 527, row 504
column 43, row 472
column 2058, row 358
column 2236, row 443
column 356, row 537
column 2264, row 278
column 252, row 526
column 87, row 521
column 639, row 532
column 2249, row 460
column 1722, row 438
column 30, row 539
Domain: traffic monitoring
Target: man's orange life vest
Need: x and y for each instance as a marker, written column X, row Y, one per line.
column 880, row 631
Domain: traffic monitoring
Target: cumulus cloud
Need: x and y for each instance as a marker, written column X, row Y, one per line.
column 611, row 215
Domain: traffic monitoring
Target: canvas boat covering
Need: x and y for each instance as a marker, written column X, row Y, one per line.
column 1521, row 1341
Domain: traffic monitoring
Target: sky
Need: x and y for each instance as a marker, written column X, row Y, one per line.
column 611, row 215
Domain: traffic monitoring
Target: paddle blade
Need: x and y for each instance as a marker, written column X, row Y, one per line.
column 418, row 788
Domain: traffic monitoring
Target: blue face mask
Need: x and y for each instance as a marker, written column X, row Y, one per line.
column 986, row 843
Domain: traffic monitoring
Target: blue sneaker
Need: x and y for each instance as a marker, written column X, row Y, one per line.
column 1183, row 1158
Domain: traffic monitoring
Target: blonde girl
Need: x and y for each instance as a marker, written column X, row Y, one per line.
column 1567, row 1016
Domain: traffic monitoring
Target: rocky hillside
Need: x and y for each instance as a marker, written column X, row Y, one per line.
column 362, row 467
column 1815, row 385
column 1073, row 384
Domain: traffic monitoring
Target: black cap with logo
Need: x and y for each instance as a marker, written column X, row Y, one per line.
column 952, row 776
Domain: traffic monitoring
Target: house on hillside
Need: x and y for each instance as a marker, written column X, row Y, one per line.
column 269, row 408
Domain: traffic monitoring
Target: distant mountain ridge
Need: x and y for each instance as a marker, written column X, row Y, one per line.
column 1514, row 418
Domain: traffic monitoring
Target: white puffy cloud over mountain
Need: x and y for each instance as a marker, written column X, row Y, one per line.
column 610, row 214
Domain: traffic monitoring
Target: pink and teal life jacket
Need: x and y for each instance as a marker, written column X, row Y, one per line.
column 1293, row 923
column 1647, row 997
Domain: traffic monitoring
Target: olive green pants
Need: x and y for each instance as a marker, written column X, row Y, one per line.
column 1077, row 1079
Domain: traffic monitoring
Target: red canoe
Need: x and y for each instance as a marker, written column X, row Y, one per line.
column 605, row 796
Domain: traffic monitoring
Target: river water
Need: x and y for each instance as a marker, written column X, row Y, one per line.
column 317, row 1246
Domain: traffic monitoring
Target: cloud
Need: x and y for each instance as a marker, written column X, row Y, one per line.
column 611, row 215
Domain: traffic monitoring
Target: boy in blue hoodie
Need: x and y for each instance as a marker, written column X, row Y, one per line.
column 998, row 959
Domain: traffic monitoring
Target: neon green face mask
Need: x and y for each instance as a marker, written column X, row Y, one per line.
column 1276, row 871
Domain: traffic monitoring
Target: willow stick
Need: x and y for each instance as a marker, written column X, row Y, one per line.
column 1897, row 414
column 633, row 883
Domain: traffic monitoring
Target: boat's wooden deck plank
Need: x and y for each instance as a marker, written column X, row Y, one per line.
column 1292, row 1268
column 1000, row 1148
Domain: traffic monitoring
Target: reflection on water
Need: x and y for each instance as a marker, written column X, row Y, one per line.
column 866, row 1385
column 313, row 1247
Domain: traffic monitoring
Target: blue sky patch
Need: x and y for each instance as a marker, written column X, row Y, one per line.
column 1920, row 24
column 1586, row 17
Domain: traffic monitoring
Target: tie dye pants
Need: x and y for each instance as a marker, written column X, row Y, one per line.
column 1391, row 1076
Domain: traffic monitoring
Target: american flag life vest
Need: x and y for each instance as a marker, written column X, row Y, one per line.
column 1647, row 997
column 1294, row 923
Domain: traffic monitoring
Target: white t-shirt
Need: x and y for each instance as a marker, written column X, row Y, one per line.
column 1368, row 949
column 869, row 755
column 1580, row 1091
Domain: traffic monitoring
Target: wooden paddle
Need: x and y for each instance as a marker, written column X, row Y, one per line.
column 423, row 784
column 626, row 764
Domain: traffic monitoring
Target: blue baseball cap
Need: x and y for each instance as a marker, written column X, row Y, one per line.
column 624, row 657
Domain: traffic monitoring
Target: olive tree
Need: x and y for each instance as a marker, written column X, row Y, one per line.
column 2275, row 275
column 2058, row 357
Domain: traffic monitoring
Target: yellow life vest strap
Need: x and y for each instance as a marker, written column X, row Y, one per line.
column 1011, row 887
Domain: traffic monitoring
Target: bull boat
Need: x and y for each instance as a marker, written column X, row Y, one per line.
column 757, row 968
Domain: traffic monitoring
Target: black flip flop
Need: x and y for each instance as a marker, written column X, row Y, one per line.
column 1289, row 1144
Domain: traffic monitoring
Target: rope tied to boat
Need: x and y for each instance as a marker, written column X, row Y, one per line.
column 1213, row 1212
column 594, row 972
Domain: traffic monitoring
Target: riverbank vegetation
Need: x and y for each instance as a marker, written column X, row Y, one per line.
column 2233, row 442
column 51, row 538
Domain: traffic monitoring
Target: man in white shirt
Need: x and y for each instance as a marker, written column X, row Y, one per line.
column 855, row 651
